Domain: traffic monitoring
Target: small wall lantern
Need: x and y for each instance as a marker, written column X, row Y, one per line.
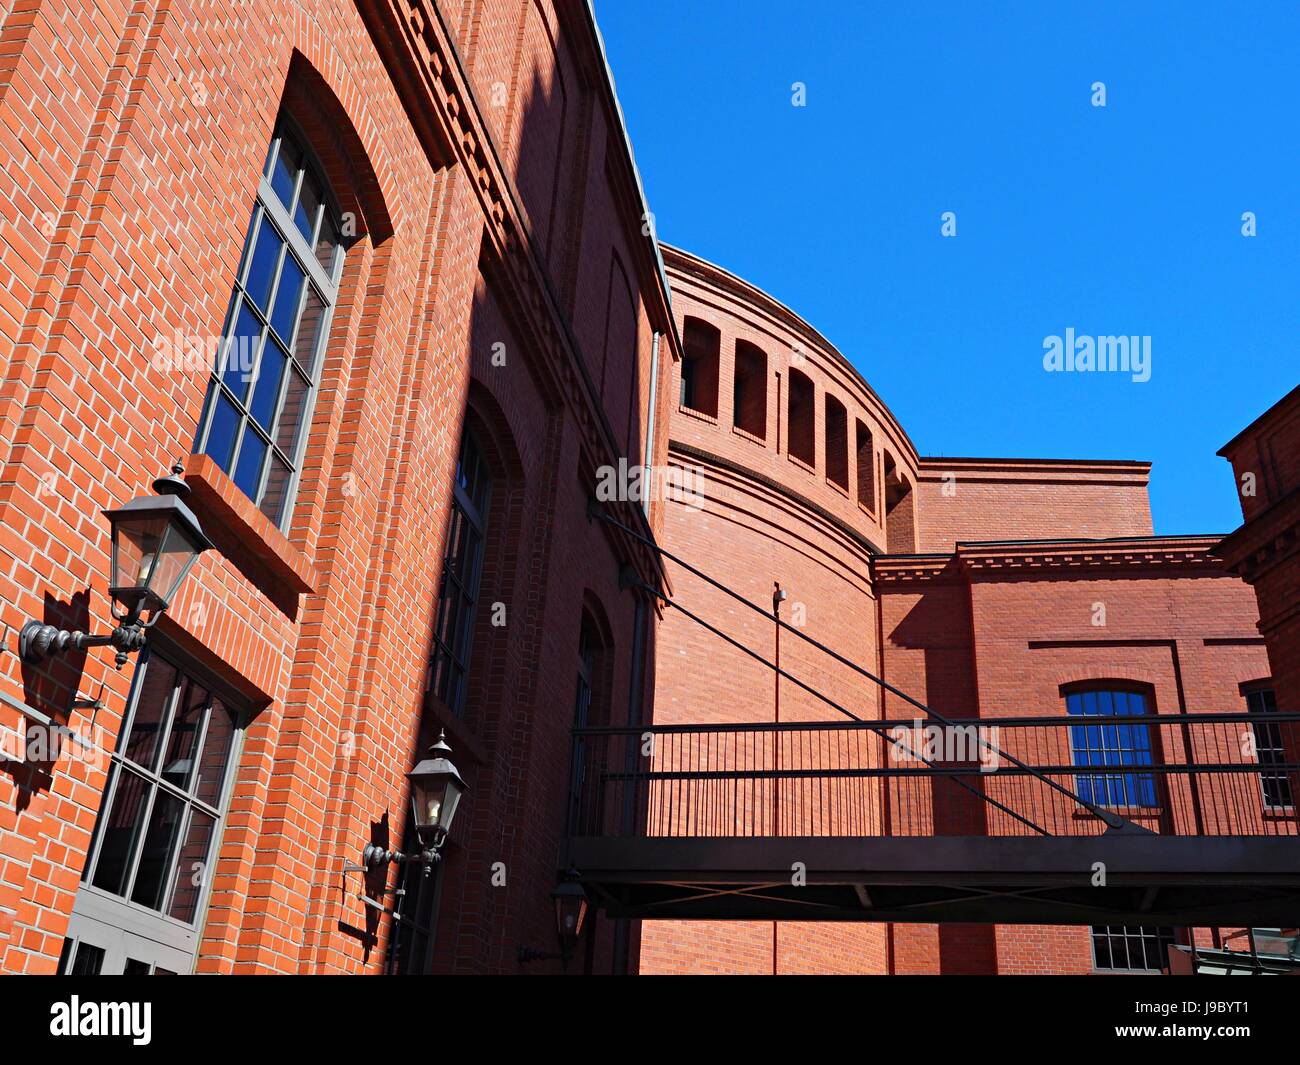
column 155, row 542
column 436, row 791
column 570, row 899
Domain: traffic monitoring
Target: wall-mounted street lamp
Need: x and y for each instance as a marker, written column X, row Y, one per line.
column 156, row 540
column 570, row 901
column 436, row 791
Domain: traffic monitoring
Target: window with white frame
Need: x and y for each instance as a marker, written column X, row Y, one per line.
column 262, row 389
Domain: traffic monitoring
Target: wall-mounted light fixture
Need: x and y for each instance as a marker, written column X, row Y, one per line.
column 155, row 540
column 436, row 791
column 570, row 899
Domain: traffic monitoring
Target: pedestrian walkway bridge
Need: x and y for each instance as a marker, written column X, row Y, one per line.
column 1168, row 819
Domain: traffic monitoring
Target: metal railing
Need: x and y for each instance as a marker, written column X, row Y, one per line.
column 1209, row 774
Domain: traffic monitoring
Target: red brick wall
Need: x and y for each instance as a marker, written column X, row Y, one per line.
column 131, row 136
column 962, row 500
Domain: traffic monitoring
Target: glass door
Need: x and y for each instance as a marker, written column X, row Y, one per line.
column 143, row 893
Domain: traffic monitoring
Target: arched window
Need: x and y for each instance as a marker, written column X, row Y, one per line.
column 590, row 710
column 900, row 516
column 1102, row 742
column 802, row 419
column 837, row 442
column 866, row 468
column 261, row 393
column 461, row 569
column 749, row 399
column 701, row 344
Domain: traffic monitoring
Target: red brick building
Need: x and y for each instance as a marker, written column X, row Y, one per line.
column 382, row 274
column 423, row 224
column 1265, row 552
column 983, row 587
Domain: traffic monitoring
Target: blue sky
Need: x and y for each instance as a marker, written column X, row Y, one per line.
column 1124, row 220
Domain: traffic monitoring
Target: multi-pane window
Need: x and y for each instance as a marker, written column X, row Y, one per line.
column 157, row 827
column 1269, row 748
column 1131, row 948
column 461, row 569
column 260, row 397
column 588, row 654
column 1115, row 746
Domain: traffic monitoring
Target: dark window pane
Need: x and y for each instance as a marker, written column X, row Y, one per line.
column 285, row 174
column 287, row 297
column 267, row 390
column 192, row 867
column 240, row 354
column 183, row 738
column 89, row 960
column 135, row 967
column 327, row 244
column 248, row 473
column 261, row 267
column 291, row 414
column 119, row 832
column 276, row 490
column 217, row 745
column 454, row 626
column 308, row 206
column 154, row 873
column 154, row 693
column 307, row 343
column 221, row 431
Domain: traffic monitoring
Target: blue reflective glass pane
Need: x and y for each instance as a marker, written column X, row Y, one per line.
column 285, row 174
column 287, row 297
column 262, row 264
column 267, row 389
column 248, row 472
column 221, row 431
column 241, row 351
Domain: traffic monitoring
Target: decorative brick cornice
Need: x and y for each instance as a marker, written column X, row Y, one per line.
column 915, row 569
column 1187, row 553
column 1264, row 542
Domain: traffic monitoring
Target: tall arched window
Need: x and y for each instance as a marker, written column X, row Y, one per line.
column 260, row 397
column 462, row 567
column 590, row 710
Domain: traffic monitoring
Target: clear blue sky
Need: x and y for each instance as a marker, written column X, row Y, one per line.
column 1117, row 220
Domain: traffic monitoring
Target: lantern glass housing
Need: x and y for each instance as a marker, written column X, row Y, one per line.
column 570, row 910
column 156, row 541
column 436, row 790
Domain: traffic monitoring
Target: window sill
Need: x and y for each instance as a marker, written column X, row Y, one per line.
column 842, row 489
column 1129, row 813
column 239, row 529
column 753, row 438
column 704, row 416
column 801, row 463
